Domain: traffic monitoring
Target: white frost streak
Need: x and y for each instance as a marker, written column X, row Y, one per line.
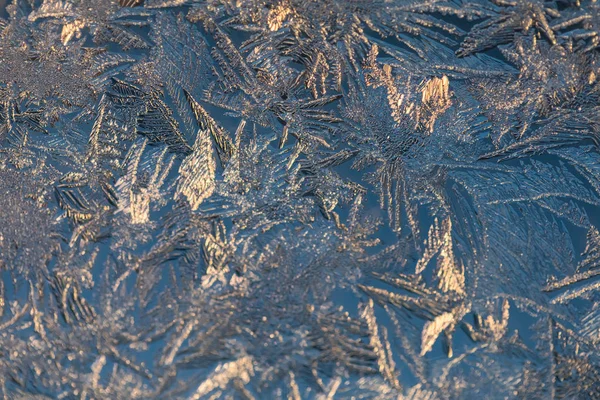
column 197, row 172
column 241, row 369
column 432, row 330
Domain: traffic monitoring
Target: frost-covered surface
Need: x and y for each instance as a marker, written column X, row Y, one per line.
column 316, row 199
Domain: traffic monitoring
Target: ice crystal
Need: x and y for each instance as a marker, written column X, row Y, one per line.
column 391, row 199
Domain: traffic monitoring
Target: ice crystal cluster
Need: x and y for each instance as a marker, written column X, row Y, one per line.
column 300, row 199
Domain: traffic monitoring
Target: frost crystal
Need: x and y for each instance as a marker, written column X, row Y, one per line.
column 297, row 199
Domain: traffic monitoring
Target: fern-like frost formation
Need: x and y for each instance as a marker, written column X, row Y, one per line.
column 300, row 199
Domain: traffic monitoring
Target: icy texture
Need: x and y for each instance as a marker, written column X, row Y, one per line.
column 300, row 199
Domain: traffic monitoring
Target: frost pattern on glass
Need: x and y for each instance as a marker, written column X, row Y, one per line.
column 296, row 199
